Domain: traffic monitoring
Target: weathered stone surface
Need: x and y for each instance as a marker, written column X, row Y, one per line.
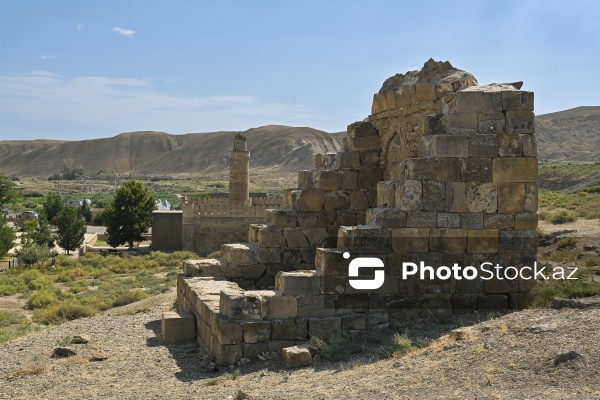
column 364, row 143
column 366, row 239
column 476, row 170
column 256, row 331
column 517, row 100
column 498, row 221
column 269, row 236
column 369, row 158
column 225, row 330
column 421, row 219
column 240, row 253
column 471, row 220
column 434, row 196
column 311, row 200
column 421, row 169
column 235, row 304
column 475, row 99
column 349, row 179
column 328, row 180
column 369, row 176
column 386, row 193
column 526, row 221
column 511, row 197
column 447, row 240
column 481, row 197
column 282, row 307
column 295, row 238
column 337, row 201
column 409, row 195
column 409, row 240
column 283, row 329
column 387, row 217
column 448, row 169
column 362, row 129
column 510, row 145
column 283, row 218
column 520, row 122
column 529, row 146
column 448, row 220
column 177, row 327
column 483, row 145
column 348, row 159
column 297, row 356
column 490, row 123
column 446, row 146
column 515, row 169
column 482, row 241
column 324, row 328
column 316, row 306
column 299, row 283
column 305, row 180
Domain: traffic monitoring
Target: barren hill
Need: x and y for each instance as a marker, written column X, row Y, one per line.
column 282, row 147
column 570, row 135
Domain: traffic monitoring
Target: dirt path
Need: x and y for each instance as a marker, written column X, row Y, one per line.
column 584, row 227
column 511, row 357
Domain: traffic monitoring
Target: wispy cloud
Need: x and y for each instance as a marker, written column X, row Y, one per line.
column 79, row 27
column 45, row 104
column 124, row 32
column 47, row 57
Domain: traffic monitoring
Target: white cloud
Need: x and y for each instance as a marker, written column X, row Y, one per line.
column 124, row 32
column 45, row 104
column 79, row 27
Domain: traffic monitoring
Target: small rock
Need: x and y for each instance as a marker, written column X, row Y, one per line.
column 461, row 333
column 62, row 352
column 245, row 361
column 80, row 339
column 239, row 364
column 565, row 356
column 273, row 354
column 297, row 356
column 99, row 357
column 262, row 358
column 241, row 395
column 212, row 367
column 231, row 367
column 542, row 328
column 591, row 247
column 587, row 302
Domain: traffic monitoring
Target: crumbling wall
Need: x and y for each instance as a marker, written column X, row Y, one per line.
column 444, row 171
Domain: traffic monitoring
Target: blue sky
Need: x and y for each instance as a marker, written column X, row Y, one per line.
column 85, row 69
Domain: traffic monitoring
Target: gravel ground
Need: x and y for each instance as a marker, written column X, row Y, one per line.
column 509, row 357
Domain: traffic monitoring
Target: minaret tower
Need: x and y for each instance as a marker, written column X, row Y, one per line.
column 239, row 171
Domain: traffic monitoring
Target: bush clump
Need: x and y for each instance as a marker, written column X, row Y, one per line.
column 562, row 217
column 66, row 310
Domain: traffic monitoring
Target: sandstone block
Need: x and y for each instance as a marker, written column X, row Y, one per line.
column 283, row 218
column 481, row 197
column 517, row 100
column 331, row 262
column 425, row 91
column 526, row 221
column 448, row 169
column 478, row 101
column 362, row 129
column 515, row 169
column 315, row 236
column 305, row 180
column 346, row 218
column 369, row 176
column 410, row 240
column 269, row 237
column 236, row 305
column 510, row 145
column 421, row 219
column 225, row 330
column 461, row 121
column 421, row 169
column 447, row 240
column 409, row 195
column 359, row 200
column 498, row 221
column 296, row 356
column 387, row 217
column 369, row 158
column 252, row 350
column 476, row 170
column 311, row 200
column 291, row 256
column 299, row 283
column 283, row 329
column 337, row 201
column 446, row 146
column 482, row 241
column 256, row 331
column 434, row 196
column 349, row 179
column 348, row 159
column 178, row 327
column 529, row 145
column 269, row 256
column 240, row 253
column 511, row 197
column 307, row 220
column 316, row 306
column 227, row 354
column 328, row 180
column 520, row 122
column 282, row 307
column 483, row 146
column 325, row 328
column 386, row 193
column 295, row 238
column 366, row 239
column 531, row 197
column 490, row 123
column 364, row 143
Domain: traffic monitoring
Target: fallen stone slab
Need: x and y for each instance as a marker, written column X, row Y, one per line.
column 297, row 356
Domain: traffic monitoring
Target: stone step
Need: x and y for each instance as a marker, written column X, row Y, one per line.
column 299, row 283
column 283, row 218
column 257, row 305
column 240, row 253
column 205, row 267
column 178, row 327
column 386, row 217
column 365, row 239
column 331, row 262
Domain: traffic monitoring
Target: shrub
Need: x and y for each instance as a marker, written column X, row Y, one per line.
column 563, row 217
column 129, row 297
column 66, row 310
column 583, row 286
column 401, row 344
column 566, row 243
column 338, row 349
column 41, row 299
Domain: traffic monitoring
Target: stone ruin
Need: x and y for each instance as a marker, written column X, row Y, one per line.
column 443, row 171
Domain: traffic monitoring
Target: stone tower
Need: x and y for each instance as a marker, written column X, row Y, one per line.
column 239, row 171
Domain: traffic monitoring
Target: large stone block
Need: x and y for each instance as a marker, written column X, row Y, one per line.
column 448, row 220
column 529, row 145
column 348, row 159
column 269, row 256
column 448, row 240
column 369, row 158
column 461, row 122
column 295, row 238
column 386, row 193
column 434, row 196
column 421, row 169
column 359, row 200
column 510, row 145
column 446, row 146
column 410, row 240
column 369, row 176
column 315, row 236
column 366, row 239
column 476, row 170
column 531, row 197
column 178, row 327
column 483, row 146
column 328, row 180
column 316, row 306
column 237, row 305
column 283, row 218
column 475, row 100
column 282, row 307
column 297, row 356
column 511, row 197
column 337, row 201
column 364, row 143
column 490, row 123
column 225, row 330
column 421, row 219
column 307, row 220
column 448, row 169
column 325, row 328
column 526, row 221
column 305, row 180
column 269, row 237
column 409, row 195
column 256, row 331
column 362, row 129
column 349, row 179
column 299, row 283
column 482, row 241
column 520, row 122
column 471, row 220
column 517, row 100
column 227, row 354
column 311, row 200
column 283, row 329
column 387, row 217
column 515, row 169
column 498, row 221
column 240, row 253
column 481, row 197
column 331, row 262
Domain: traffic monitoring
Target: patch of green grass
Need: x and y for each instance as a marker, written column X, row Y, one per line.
column 560, row 207
column 566, row 243
column 13, row 325
column 584, row 286
column 339, row 348
column 212, row 381
column 232, row 376
column 41, row 299
column 130, row 297
column 63, row 311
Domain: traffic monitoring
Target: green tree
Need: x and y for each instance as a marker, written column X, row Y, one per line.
column 42, row 234
column 33, row 253
column 53, row 205
column 7, row 237
column 71, row 229
column 86, row 212
column 129, row 215
column 8, row 194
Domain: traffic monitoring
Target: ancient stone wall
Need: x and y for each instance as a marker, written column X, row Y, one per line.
column 443, row 172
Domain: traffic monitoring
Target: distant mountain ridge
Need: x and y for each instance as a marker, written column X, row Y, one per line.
column 285, row 148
